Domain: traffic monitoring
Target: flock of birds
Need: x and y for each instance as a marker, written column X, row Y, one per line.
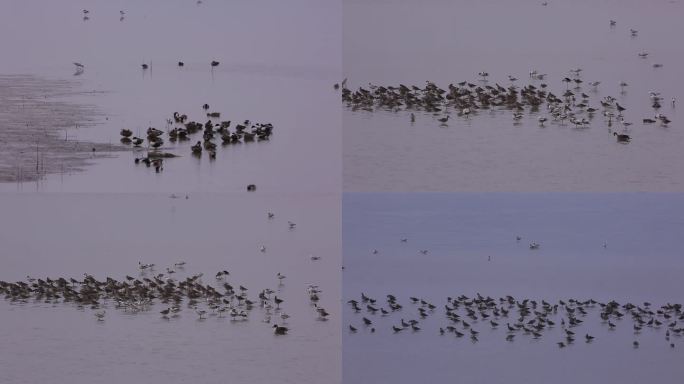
column 467, row 99
column 151, row 288
column 475, row 317
column 180, row 129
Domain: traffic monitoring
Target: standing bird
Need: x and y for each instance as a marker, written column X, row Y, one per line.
column 214, row 63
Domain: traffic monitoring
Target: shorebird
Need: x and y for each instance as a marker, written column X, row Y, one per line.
column 214, row 63
column 622, row 137
column 322, row 313
column 100, row 315
column 277, row 301
column 278, row 330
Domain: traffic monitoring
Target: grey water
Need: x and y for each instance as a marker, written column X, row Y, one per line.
column 623, row 247
column 106, row 235
column 392, row 42
column 277, row 64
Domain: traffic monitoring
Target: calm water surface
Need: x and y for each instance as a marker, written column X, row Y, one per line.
column 642, row 261
column 278, row 64
column 107, row 235
column 396, row 41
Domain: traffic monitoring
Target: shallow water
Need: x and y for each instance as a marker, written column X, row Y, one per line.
column 641, row 262
column 36, row 117
column 393, row 42
column 277, row 65
column 106, row 235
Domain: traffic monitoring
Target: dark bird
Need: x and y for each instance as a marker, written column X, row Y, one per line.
column 622, row 137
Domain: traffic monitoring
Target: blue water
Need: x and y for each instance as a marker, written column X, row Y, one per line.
column 642, row 261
